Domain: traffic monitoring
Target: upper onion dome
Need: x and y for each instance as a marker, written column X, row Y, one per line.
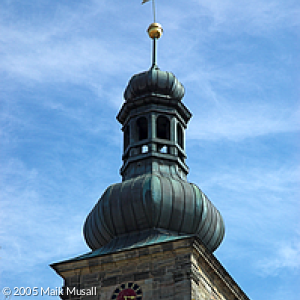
column 153, row 201
column 154, row 82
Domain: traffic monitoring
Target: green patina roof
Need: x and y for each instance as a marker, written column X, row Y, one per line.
column 153, row 201
column 154, row 82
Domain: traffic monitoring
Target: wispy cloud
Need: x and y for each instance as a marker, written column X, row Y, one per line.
column 28, row 220
column 286, row 255
column 256, row 16
column 49, row 51
column 252, row 177
column 236, row 122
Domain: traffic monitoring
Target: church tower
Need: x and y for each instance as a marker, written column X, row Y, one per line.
column 152, row 235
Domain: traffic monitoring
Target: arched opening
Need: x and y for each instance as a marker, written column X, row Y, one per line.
column 163, row 128
column 142, row 128
column 180, row 136
column 126, row 137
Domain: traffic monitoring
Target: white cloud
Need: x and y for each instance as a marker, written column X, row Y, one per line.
column 31, row 221
column 252, row 16
column 236, row 122
column 58, row 50
column 255, row 178
column 285, row 256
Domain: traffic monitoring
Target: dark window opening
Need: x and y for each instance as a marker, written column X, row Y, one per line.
column 181, row 157
column 126, row 137
column 142, row 126
column 180, row 136
column 125, row 157
column 163, row 128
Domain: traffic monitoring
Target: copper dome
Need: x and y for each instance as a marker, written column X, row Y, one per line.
column 153, row 201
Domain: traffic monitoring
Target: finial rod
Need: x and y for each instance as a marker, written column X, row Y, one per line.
column 153, row 8
column 155, row 31
column 154, row 55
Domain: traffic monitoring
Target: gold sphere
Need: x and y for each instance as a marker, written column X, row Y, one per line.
column 155, row 30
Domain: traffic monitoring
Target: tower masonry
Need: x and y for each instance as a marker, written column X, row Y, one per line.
column 152, row 235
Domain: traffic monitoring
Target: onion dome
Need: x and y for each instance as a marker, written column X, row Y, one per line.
column 154, row 82
column 153, row 201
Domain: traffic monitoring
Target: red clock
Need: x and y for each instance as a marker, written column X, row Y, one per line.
column 127, row 291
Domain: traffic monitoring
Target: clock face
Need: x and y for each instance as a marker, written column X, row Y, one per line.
column 127, row 291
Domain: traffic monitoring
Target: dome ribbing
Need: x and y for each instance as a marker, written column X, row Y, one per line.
column 154, row 82
column 153, row 201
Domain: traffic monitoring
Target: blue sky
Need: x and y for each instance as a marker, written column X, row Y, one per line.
column 64, row 67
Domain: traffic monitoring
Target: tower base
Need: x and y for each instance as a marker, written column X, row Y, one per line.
column 177, row 268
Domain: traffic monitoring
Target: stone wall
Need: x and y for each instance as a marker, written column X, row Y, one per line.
column 177, row 270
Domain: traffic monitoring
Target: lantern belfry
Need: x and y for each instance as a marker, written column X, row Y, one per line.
column 152, row 235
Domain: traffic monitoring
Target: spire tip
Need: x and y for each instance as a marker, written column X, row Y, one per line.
column 155, row 31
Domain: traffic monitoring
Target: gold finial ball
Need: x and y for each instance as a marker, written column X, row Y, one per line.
column 155, row 30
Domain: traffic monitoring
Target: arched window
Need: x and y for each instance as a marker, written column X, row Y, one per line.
column 142, row 128
column 163, row 128
column 180, row 136
column 126, row 137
